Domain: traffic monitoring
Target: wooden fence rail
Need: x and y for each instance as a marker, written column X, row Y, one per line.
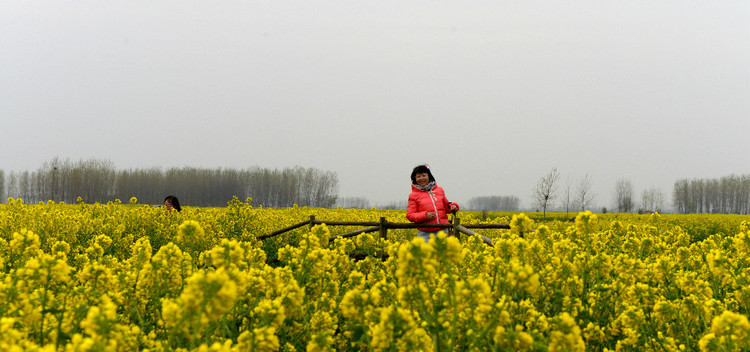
column 383, row 226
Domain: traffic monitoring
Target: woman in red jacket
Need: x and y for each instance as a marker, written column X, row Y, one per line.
column 427, row 203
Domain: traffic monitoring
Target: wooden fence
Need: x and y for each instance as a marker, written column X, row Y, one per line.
column 383, row 226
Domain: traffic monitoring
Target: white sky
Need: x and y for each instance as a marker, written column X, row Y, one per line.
column 492, row 94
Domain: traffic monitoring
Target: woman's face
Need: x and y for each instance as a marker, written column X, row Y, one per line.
column 422, row 178
column 168, row 204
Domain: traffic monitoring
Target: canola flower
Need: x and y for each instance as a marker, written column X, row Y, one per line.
column 729, row 332
column 114, row 277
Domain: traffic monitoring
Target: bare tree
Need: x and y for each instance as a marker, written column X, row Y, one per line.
column 567, row 196
column 545, row 191
column 584, row 197
column 680, row 195
column 24, row 187
column 652, row 200
column 12, row 189
column 624, row 196
column 325, row 191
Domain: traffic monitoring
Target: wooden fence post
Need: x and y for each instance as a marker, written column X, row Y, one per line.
column 383, row 229
column 456, row 223
column 312, row 222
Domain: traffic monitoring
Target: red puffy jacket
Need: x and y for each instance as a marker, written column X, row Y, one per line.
column 421, row 202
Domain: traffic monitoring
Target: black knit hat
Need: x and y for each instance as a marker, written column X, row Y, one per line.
column 420, row 170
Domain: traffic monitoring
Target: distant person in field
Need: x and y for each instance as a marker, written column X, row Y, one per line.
column 171, row 202
column 427, row 203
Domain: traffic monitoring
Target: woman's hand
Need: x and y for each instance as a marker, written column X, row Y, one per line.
column 430, row 215
column 454, row 207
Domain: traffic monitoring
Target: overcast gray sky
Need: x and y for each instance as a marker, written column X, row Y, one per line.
column 492, row 94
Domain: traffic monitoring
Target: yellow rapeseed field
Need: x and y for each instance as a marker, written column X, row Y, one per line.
column 132, row 277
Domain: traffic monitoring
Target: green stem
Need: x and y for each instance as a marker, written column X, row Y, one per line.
column 44, row 312
column 453, row 304
column 59, row 325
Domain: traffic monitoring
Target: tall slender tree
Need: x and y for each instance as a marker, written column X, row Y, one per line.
column 652, row 200
column 624, row 196
column 545, row 191
column 584, row 196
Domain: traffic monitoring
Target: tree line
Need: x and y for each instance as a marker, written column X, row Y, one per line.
column 579, row 197
column 95, row 180
column 725, row 195
column 546, row 192
column 353, row 203
column 497, row 203
column 652, row 199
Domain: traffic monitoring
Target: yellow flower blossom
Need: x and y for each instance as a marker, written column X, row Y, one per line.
column 566, row 336
column 513, row 340
column 399, row 330
column 261, row 339
column 190, row 234
column 729, row 332
column 585, row 222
